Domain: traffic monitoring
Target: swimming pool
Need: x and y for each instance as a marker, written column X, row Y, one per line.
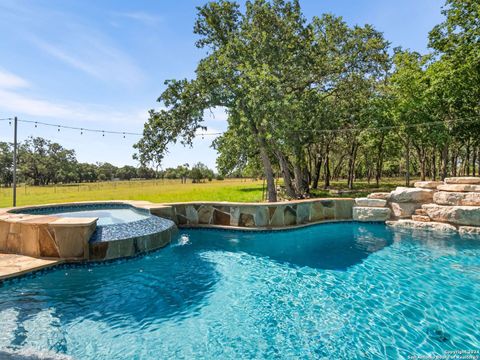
column 334, row 291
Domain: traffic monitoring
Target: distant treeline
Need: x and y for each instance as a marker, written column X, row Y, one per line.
column 42, row 162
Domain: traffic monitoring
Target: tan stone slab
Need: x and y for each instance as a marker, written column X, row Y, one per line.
column 366, row 202
column 463, row 180
column 40, row 220
column 459, row 188
column 371, row 213
column 427, row 184
column 74, row 221
column 470, row 231
column 379, row 195
column 411, row 195
column 404, row 210
column 460, row 215
column 420, row 225
column 457, row 198
column 420, row 212
column 422, row 218
column 12, row 265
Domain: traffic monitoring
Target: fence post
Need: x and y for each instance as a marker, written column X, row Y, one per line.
column 15, row 162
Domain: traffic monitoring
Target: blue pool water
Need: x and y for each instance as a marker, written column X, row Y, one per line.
column 107, row 213
column 106, row 216
column 332, row 291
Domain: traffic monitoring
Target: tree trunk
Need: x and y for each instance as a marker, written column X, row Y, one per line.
column 445, row 162
column 434, row 165
column 316, row 172
column 267, row 166
column 351, row 165
column 474, row 161
column 379, row 162
column 467, row 160
column 301, row 179
column 407, row 163
column 326, row 168
column 287, row 178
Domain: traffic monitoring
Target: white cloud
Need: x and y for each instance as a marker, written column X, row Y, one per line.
column 11, row 81
column 14, row 101
column 140, row 16
column 94, row 57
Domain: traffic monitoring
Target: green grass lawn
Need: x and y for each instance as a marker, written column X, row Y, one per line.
column 151, row 190
column 241, row 190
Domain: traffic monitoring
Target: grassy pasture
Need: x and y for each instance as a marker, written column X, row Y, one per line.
column 151, row 190
column 241, row 190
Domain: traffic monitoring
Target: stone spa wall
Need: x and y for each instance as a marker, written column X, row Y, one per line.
column 49, row 236
column 257, row 215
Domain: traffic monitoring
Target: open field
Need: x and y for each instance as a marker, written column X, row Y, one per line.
column 151, row 190
column 242, row 190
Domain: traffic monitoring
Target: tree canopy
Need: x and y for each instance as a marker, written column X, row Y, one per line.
column 311, row 100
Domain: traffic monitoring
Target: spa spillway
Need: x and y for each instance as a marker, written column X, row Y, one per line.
column 85, row 231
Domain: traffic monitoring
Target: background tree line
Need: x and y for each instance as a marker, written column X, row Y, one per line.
column 316, row 100
column 42, row 162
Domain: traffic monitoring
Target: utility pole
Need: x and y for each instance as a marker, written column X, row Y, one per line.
column 15, row 162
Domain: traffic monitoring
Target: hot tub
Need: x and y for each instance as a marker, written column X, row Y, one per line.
column 90, row 231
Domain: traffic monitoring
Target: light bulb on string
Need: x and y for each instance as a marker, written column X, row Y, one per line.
column 124, row 135
column 103, row 133
column 81, row 131
column 58, row 128
column 35, row 124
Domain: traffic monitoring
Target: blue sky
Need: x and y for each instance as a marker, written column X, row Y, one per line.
column 102, row 64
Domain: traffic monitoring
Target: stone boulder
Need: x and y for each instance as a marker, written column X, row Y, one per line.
column 427, row 184
column 456, row 198
column 371, row 213
column 422, row 218
column 460, row 215
column 404, row 210
column 411, row 195
column 419, row 225
column 463, row 180
column 469, row 232
column 420, row 212
column 379, row 195
column 459, row 188
column 370, row 202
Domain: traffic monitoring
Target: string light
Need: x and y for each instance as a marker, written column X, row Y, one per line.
column 472, row 119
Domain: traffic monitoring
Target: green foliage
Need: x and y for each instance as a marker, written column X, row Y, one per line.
column 316, row 100
column 42, row 162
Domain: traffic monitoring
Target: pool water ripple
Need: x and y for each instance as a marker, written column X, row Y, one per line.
column 333, row 291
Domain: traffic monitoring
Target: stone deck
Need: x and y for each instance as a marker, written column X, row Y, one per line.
column 12, row 265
